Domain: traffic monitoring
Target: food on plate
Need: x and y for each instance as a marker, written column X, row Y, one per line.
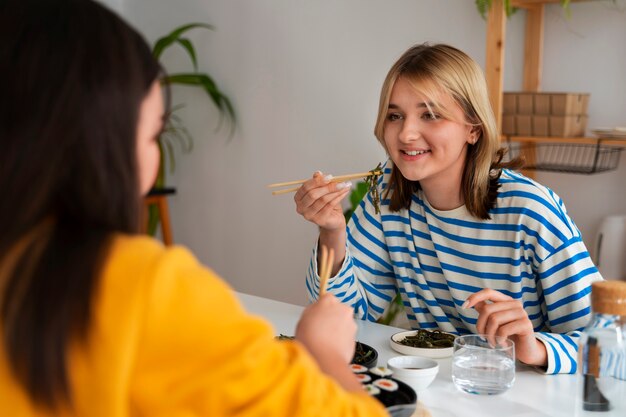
column 358, row 369
column 429, row 339
column 365, row 355
column 386, row 384
column 381, row 371
column 371, row 389
column 363, row 378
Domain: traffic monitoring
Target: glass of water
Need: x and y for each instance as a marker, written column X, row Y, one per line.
column 483, row 366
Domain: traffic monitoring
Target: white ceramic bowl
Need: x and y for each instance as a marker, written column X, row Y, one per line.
column 436, row 353
column 415, row 371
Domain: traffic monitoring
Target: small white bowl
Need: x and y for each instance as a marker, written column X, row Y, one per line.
column 435, row 353
column 414, row 371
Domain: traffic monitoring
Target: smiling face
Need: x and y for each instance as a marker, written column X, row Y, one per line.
column 425, row 145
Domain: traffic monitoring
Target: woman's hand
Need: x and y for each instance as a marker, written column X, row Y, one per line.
column 501, row 315
column 327, row 329
column 318, row 200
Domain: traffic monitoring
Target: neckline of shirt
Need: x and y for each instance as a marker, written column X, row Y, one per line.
column 456, row 213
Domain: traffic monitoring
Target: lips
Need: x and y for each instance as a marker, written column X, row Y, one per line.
column 415, row 152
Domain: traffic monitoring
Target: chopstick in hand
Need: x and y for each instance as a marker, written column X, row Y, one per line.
column 326, row 267
column 339, row 178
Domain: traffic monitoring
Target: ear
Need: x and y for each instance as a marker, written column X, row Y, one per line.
column 474, row 134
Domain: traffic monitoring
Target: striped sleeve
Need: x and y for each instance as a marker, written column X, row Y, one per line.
column 562, row 268
column 366, row 278
column 566, row 278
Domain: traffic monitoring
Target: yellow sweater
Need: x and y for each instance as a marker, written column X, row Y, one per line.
column 168, row 338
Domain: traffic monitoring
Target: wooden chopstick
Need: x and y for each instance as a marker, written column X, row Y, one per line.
column 286, row 190
column 326, row 267
column 323, row 261
column 339, row 178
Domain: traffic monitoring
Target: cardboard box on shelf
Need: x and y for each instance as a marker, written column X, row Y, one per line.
column 541, row 125
column 508, row 125
column 525, row 103
column 544, row 114
column 568, row 126
column 542, row 103
column 509, row 103
column 523, row 125
column 560, row 104
column 563, row 104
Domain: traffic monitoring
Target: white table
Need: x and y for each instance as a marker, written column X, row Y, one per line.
column 533, row 393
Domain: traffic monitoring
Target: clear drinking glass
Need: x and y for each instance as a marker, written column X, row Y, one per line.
column 483, row 366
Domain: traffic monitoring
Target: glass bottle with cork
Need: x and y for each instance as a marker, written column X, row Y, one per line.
column 602, row 351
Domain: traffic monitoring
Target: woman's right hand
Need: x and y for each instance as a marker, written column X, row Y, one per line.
column 327, row 316
column 327, row 329
column 319, row 201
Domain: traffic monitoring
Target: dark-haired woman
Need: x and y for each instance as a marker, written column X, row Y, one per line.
column 470, row 245
column 95, row 319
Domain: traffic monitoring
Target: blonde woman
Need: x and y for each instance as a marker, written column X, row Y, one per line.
column 471, row 245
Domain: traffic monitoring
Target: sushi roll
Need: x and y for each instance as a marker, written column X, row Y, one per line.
column 381, row 371
column 386, row 384
column 371, row 390
column 358, row 369
column 363, row 378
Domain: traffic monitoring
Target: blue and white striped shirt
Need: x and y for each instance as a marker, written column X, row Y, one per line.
column 530, row 250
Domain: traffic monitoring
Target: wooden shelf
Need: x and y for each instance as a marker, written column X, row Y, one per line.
column 580, row 140
column 533, row 59
column 526, row 3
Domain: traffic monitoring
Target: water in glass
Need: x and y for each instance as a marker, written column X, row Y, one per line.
column 479, row 368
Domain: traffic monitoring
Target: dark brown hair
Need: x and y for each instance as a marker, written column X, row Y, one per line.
column 73, row 76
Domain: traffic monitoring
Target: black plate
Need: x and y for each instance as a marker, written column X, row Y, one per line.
column 400, row 403
column 365, row 355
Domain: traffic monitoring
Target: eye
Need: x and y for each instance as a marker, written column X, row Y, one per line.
column 430, row 116
column 392, row 117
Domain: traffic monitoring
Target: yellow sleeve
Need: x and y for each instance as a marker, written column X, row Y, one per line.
column 200, row 354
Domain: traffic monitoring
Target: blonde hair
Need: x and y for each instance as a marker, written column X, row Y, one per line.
column 436, row 69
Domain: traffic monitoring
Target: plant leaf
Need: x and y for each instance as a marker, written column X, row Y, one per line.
column 166, row 41
column 483, row 7
column 203, row 80
column 191, row 51
column 360, row 190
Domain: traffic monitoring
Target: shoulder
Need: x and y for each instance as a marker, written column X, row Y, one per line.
column 159, row 272
column 531, row 199
column 165, row 288
column 515, row 187
column 136, row 254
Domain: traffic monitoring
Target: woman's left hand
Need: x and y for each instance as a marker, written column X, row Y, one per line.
column 501, row 315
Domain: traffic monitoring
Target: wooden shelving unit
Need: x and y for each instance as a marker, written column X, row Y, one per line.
column 552, row 139
column 533, row 56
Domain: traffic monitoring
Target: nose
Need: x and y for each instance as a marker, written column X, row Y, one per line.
column 410, row 130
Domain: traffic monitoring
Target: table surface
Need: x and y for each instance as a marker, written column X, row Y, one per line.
column 533, row 393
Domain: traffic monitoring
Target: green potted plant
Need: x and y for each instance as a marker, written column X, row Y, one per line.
column 175, row 132
column 483, row 6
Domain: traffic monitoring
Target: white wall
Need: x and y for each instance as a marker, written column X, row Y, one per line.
column 116, row 5
column 305, row 75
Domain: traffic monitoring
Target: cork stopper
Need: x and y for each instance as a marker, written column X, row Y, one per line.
column 609, row 297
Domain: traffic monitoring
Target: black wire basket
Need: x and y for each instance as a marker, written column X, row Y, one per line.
column 574, row 158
